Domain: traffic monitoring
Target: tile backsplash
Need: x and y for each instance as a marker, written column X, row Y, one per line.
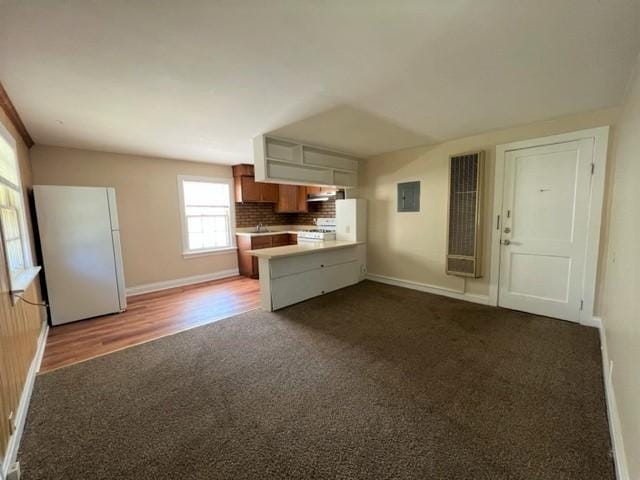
column 251, row 214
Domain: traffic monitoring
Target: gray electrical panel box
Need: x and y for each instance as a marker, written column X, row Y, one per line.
column 409, row 197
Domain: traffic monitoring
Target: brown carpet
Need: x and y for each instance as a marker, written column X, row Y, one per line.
column 370, row 382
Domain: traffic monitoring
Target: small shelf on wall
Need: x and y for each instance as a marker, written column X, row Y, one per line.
column 279, row 160
column 283, row 151
column 298, row 174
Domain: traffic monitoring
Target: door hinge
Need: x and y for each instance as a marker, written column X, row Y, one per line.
column 593, row 168
column 581, row 304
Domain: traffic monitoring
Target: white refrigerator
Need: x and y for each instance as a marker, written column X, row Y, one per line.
column 351, row 219
column 80, row 243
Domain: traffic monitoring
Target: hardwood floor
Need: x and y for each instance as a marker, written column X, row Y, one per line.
column 148, row 317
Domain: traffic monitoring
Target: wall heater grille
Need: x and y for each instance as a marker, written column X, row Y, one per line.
column 465, row 204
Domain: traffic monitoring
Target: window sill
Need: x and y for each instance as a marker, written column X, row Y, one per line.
column 205, row 253
column 21, row 282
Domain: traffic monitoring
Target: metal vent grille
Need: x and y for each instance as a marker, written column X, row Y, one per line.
column 465, row 201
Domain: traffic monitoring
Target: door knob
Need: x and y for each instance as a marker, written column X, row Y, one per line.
column 506, row 242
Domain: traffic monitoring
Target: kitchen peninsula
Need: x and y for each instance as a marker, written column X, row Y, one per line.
column 293, row 273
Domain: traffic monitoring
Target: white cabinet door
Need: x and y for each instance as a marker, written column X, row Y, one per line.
column 302, row 286
column 302, row 263
column 544, row 228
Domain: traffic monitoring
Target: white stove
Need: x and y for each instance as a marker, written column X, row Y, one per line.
column 326, row 231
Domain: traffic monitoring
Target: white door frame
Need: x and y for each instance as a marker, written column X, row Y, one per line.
column 600, row 137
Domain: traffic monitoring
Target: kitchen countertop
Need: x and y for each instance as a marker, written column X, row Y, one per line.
column 302, row 248
column 273, row 230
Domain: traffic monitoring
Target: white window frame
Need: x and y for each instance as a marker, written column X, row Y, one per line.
column 186, row 251
column 20, row 281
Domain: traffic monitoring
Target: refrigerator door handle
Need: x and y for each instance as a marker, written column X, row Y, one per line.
column 117, row 255
column 113, row 208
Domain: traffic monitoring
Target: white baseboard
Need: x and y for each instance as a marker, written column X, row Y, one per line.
column 424, row 287
column 23, row 406
column 622, row 472
column 595, row 322
column 180, row 282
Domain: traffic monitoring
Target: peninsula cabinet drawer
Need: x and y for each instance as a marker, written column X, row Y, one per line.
column 303, row 263
column 302, row 286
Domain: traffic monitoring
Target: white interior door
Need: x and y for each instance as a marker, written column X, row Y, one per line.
column 545, row 214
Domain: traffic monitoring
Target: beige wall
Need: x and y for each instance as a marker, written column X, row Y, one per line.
column 412, row 246
column 148, row 207
column 20, row 324
column 620, row 292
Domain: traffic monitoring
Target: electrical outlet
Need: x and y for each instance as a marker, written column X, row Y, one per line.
column 14, row 472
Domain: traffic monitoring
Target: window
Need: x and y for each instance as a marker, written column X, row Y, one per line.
column 207, row 214
column 12, row 216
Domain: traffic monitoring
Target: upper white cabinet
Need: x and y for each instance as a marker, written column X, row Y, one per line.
column 279, row 160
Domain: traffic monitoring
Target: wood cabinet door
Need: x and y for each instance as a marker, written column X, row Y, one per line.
column 245, row 264
column 287, row 199
column 301, row 200
column 280, row 240
column 251, row 190
column 263, row 241
column 255, row 271
column 269, row 192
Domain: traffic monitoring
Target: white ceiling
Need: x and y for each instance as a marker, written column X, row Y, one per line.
column 198, row 79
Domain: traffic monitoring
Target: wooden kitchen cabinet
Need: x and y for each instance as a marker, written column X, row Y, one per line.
column 247, row 190
column 248, row 264
column 269, row 192
column 292, row 199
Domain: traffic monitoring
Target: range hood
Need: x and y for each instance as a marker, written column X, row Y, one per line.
column 325, row 196
column 321, row 197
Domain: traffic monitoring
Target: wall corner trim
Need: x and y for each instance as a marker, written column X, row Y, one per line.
column 23, row 406
column 425, row 287
column 7, row 105
column 180, row 282
column 615, row 428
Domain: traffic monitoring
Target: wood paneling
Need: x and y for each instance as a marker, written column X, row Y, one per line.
column 148, row 317
column 20, row 326
column 12, row 113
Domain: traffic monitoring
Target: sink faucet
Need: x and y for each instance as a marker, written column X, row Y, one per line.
column 260, row 228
